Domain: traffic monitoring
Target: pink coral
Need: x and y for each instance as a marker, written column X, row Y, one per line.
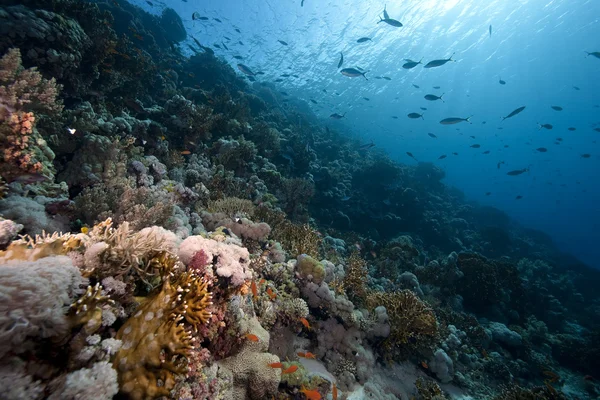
column 22, row 149
column 25, row 89
column 199, row 262
column 228, row 260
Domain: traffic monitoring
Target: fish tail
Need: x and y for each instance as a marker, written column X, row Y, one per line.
column 365, row 75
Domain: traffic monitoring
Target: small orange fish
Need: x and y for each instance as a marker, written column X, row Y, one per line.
column 186, row 152
column 262, row 281
column 276, row 365
column 334, row 392
column 424, row 365
column 252, row 337
column 290, row 370
column 305, row 323
column 254, row 289
column 308, row 354
column 272, row 295
column 311, row 394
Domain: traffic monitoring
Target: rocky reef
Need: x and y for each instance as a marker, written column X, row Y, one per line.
column 170, row 230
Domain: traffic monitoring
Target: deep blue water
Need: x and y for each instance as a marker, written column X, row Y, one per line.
column 537, row 47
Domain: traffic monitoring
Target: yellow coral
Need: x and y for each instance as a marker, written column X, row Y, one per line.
column 29, row 248
column 88, row 309
column 232, row 206
column 354, row 283
column 156, row 339
column 413, row 323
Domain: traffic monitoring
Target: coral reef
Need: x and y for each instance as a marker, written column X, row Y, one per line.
column 188, row 234
column 157, row 335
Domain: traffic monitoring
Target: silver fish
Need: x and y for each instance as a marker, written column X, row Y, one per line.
column 454, row 120
column 353, row 72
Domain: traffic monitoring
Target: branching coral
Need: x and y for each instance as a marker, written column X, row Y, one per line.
column 295, row 194
column 537, row 393
column 232, row 207
column 428, row 390
column 25, row 89
column 22, row 149
column 119, row 251
column 158, row 337
column 486, row 282
column 296, row 239
column 414, row 326
column 354, row 283
column 29, row 248
column 87, row 309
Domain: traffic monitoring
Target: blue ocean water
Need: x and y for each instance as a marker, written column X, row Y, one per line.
column 537, row 47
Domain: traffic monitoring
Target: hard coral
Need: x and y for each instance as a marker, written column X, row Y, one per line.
column 253, row 378
column 537, row 393
column 354, row 283
column 486, row 282
column 296, row 239
column 158, row 336
column 120, row 251
column 25, row 89
column 232, row 207
column 414, row 326
column 22, row 149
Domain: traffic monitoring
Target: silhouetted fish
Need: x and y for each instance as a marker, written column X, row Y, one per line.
column 341, row 60
column 415, row 116
column 337, row 116
column 353, row 73
column 282, row 42
column 438, row 63
column 410, row 63
column 245, row 70
column 517, row 172
column 433, row 97
column 454, row 120
column 363, row 39
column 513, row 113
column 391, row 22
column 556, row 108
